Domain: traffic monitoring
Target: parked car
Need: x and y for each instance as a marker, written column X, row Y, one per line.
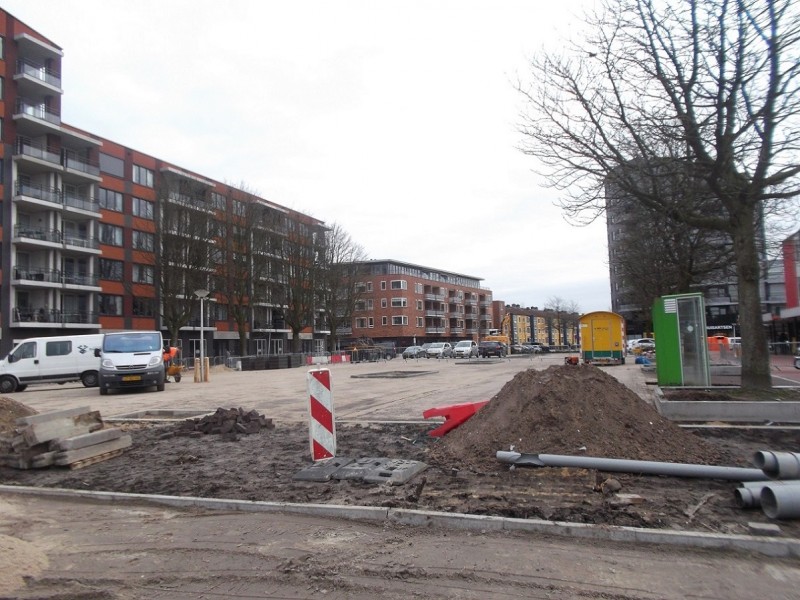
column 465, row 349
column 486, row 349
column 414, row 352
column 642, row 345
column 439, row 350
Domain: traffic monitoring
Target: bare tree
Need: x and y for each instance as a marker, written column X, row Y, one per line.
column 253, row 230
column 700, row 94
column 338, row 279
column 300, row 254
column 183, row 253
column 564, row 315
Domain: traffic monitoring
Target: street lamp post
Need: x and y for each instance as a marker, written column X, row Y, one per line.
column 202, row 294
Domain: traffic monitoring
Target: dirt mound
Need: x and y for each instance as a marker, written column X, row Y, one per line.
column 10, row 411
column 575, row 411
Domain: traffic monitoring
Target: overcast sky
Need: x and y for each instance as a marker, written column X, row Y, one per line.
column 397, row 120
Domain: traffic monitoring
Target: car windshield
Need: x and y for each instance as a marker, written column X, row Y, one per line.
column 437, row 345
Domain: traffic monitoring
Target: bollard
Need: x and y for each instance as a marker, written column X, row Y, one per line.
column 322, row 424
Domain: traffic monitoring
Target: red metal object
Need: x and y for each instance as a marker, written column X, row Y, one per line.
column 454, row 415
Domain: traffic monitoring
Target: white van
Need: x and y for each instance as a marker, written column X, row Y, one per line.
column 56, row 359
column 131, row 359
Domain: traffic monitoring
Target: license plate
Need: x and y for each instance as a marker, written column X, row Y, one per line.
column 131, row 378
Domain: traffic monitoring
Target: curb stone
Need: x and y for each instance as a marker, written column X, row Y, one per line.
column 769, row 546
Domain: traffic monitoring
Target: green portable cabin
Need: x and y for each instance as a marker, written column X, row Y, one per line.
column 602, row 338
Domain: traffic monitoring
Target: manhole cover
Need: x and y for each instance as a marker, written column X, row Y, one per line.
column 392, row 374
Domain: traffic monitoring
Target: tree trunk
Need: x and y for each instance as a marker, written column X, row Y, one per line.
column 755, row 351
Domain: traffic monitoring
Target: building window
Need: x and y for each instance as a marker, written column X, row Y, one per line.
column 143, row 240
column 143, row 307
column 361, row 323
column 419, row 305
column 400, row 320
column 371, row 322
column 109, row 199
column 239, row 208
column 399, row 302
column 110, row 234
column 111, row 269
column 420, row 321
column 360, row 305
column 142, row 176
column 218, row 201
column 383, row 303
column 112, row 165
column 370, row 304
column 383, row 285
column 384, row 320
column 142, row 273
column 109, row 305
column 142, row 209
column 369, row 286
column 419, row 288
column 399, row 284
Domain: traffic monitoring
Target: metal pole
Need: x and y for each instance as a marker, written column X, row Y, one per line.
column 202, row 339
column 632, row 466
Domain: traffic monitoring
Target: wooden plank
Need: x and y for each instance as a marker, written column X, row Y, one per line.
column 62, row 428
column 95, row 459
column 70, row 456
column 53, row 414
column 86, row 439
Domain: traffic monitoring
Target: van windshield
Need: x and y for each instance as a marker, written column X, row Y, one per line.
column 133, row 342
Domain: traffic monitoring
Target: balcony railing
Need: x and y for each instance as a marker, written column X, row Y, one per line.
column 55, row 276
column 73, row 161
column 56, row 196
column 35, row 71
column 37, row 111
column 39, row 192
column 52, row 315
column 37, row 233
column 67, row 158
column 27, row 147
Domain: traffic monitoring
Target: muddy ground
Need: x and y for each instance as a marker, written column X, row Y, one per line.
column 562, row 410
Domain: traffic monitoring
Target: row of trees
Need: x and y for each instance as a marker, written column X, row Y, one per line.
column 689, row 108
column 271, row 267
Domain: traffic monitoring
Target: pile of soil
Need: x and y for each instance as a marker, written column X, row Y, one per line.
column 574, row 411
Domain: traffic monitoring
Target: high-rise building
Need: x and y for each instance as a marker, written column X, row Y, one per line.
column 97, row 236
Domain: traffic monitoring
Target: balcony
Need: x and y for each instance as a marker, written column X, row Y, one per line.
column 435, row 297
column 434, row 330
column 37, row 192
column 36, row 118
column 28, row 148
column 34, row 77
column 82, row 203
column 34, row 235
column 22, row 316
column 79, row 165
column 48, row 277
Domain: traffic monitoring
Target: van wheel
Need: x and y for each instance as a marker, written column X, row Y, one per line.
column 89, row 379
column 8, row 385
column 22, row 387
column 160, row 387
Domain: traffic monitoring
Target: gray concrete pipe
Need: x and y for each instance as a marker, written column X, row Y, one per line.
column 632, row 466
column 781, row 501
column 748, row 495
column 778, row 465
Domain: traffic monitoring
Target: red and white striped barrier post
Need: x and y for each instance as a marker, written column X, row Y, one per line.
column 322, row 425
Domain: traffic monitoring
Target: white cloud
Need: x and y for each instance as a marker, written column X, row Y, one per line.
column 394, row 119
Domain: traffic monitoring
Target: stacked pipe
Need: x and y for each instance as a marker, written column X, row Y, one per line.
column 774, row 485
column 779, row 499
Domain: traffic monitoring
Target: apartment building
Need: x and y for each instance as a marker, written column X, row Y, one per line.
column 88, row 225
column 410, row 304
column 546, row 327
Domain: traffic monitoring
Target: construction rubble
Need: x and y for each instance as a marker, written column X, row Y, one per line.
column 72, row 437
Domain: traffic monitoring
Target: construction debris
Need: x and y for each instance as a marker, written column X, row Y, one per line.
column 226, row 421
column 72, row 437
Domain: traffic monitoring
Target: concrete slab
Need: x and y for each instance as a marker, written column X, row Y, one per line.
column 322, row 470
